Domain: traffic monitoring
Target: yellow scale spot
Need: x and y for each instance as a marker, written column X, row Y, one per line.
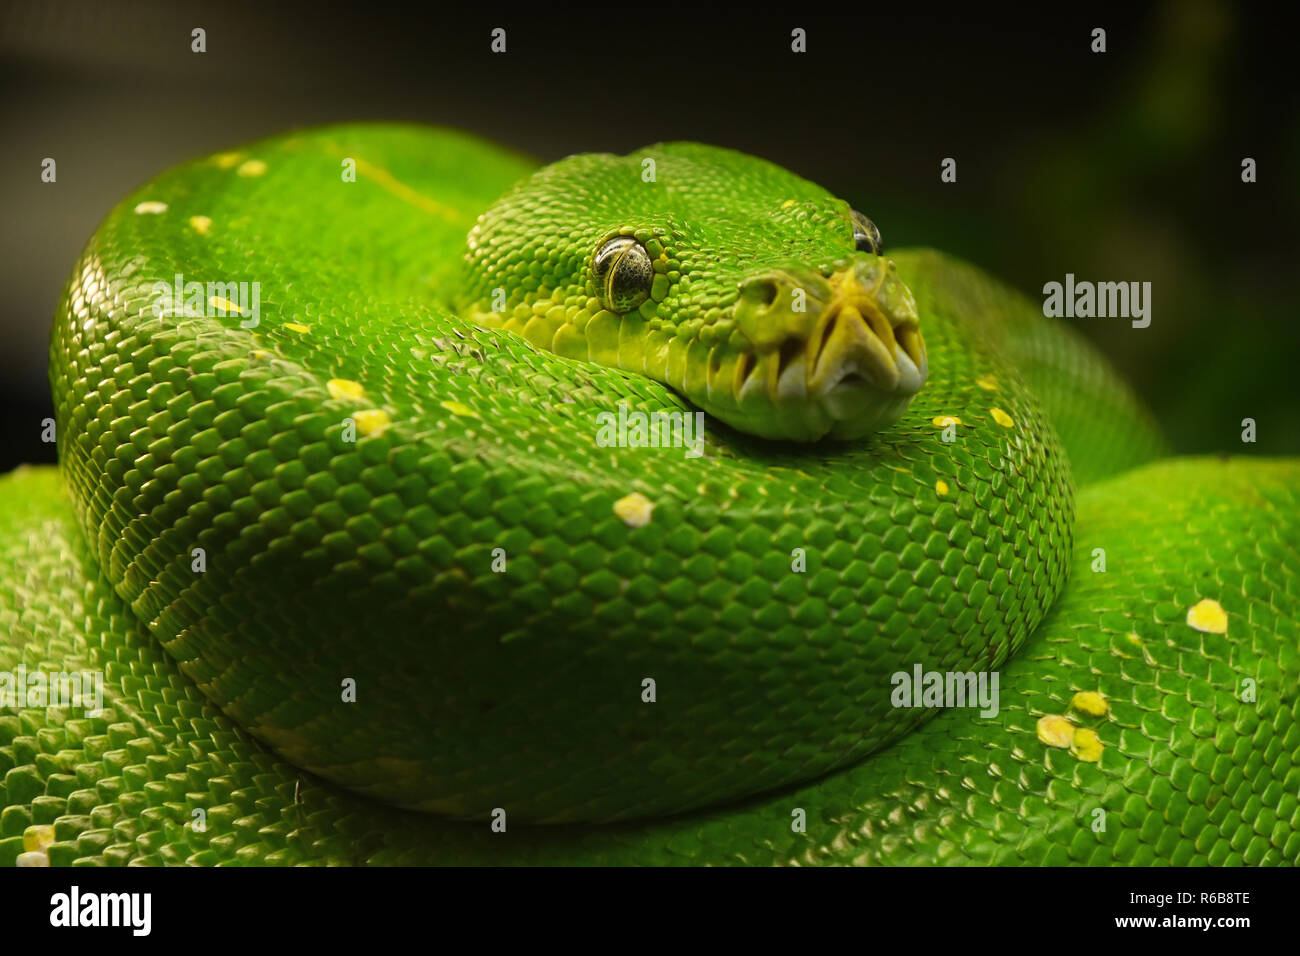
column 37, row 838
column 150, row 207
column 297, row 327
column 1086, row 745
column 371, row 420
column 254, row 167
column 941, row 486
column 227, row 307
column 943, row 421
column 1055, row 731
column 33, row 858
column 1209, row 616
column 1090, row 702
column 787, row 204
column 227, row 160
column 987, row 382
column 345, row 388
column 1002, row 418
column 634, row 510
column 261, row 354
column 200, row 224
column 459, row 408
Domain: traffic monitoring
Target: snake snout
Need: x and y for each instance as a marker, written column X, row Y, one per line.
column 857, row 345
column 837, row 353
column 858, row 326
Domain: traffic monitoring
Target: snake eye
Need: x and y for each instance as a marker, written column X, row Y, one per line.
column 865, row 234
column 622, row 271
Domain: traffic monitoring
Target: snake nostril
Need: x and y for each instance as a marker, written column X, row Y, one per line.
column 764, row 291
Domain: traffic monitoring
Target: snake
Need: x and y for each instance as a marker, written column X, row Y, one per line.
column 418, row 503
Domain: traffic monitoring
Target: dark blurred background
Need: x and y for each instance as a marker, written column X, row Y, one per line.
column 1117, row 166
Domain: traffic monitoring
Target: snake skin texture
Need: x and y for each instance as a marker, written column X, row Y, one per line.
column 363, row 489
column 1098, row 418
column 1189, row 773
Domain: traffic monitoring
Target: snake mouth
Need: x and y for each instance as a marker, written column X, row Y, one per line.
column 855, row 346
column 836, row 354
column 854, row 373
column 866, row 369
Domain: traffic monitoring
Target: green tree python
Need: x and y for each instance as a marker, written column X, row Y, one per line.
column 366, row 586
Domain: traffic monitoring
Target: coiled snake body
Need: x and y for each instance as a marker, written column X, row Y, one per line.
column 337, row 521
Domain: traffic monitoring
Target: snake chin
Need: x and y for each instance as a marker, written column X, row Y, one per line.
column 846, row 400
column 856, row 408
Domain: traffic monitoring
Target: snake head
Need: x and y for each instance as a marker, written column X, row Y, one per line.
column 760, row 297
